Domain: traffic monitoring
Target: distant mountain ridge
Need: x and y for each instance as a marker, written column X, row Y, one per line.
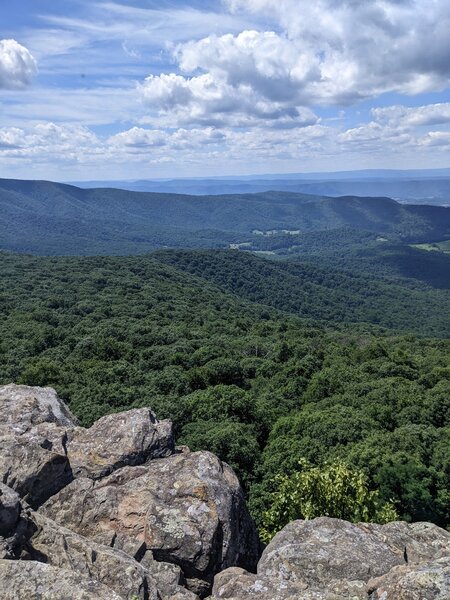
column 431, row 186
column 51, row 218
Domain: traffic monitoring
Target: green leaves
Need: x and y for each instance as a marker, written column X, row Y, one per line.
column 334, row 490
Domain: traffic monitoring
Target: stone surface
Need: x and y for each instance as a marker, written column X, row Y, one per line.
column 34, row 472
column 42, row 449
column 9, row 510
column 426, row 581
column 187, row 509
column 24, row 407
column 12, row 527
column 120, row 507
column 64, row 549
column 128, row 438
column 32, row 422
column 334, row 560
column 30, row 580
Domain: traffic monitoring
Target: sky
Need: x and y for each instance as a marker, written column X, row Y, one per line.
column 142, row 89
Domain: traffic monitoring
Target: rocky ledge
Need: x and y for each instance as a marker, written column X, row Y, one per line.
column 118, row 512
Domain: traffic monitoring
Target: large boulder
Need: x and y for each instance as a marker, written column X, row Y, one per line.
column 12, row 527
column 334, row 559
column 32, row 580
column 32, row 422
column 10, row 509
column 426, row 581
column 24, row 407
column 65, row 549
column 118, row 498
column 42, row 449
column 28, row 535
column 128, row 438
column 187, row 509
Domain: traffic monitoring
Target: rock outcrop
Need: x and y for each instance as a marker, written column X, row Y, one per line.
column 187, row 509
column 38, row 581
column 117, row 512
column 114, row 509
column 330, row 559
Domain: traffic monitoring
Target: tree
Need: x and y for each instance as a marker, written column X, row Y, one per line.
column 334, row 490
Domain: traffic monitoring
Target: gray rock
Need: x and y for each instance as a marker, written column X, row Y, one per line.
column 128, row 438
column 333, row 559
column 9, row 511
column 183, row 594
column 24, row 407
column 12, row 526
column 42, row 449
column 236, row 583
column 187, row 509
column 34, row 472
column 64, row 549
column 426, row 581
column 30, row 580
column 33, row 423
column 32, row 536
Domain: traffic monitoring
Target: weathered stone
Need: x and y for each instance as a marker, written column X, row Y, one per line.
column 127, row 438
column 42, row 449
column 418, row 542
column 236, row 583
column 12, row 527
column 23, row 407
column 332, row 559
column 169, row 577
column 64, row 549
column 33, row 424
column 183, row 594
column 33, row 471
column 32, row 580
column 9, row 510
column 426, row 581
column 188, row 509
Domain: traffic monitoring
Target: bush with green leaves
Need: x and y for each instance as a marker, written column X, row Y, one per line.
column 334, row 490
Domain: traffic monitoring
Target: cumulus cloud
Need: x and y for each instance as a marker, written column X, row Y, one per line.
column 430, row 114
column 328, row 52
column 49, row 140
column 243, row 80
column 436, row 138
column 17, row 65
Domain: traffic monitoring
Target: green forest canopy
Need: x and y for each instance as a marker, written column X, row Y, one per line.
column 261, row 388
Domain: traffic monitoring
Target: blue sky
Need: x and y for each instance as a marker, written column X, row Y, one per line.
column 125, row 89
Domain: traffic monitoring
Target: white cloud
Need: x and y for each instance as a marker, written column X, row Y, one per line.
column 17, row 65
column 247, row 80
column 47, row 141
column 328, row 52
column 430, row 114
column 139, row 139
column 436, row 138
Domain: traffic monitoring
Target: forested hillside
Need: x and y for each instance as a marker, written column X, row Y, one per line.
column 260, row 388
column 323, row 293
column 111, row 221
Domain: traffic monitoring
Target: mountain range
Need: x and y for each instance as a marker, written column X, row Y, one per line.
column 114, row 221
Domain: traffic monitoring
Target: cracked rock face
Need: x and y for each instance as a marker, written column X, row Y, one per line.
column 187, row 509
column 111, row 510
column 42, row 449
column 334, row 560
column 429, row 580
